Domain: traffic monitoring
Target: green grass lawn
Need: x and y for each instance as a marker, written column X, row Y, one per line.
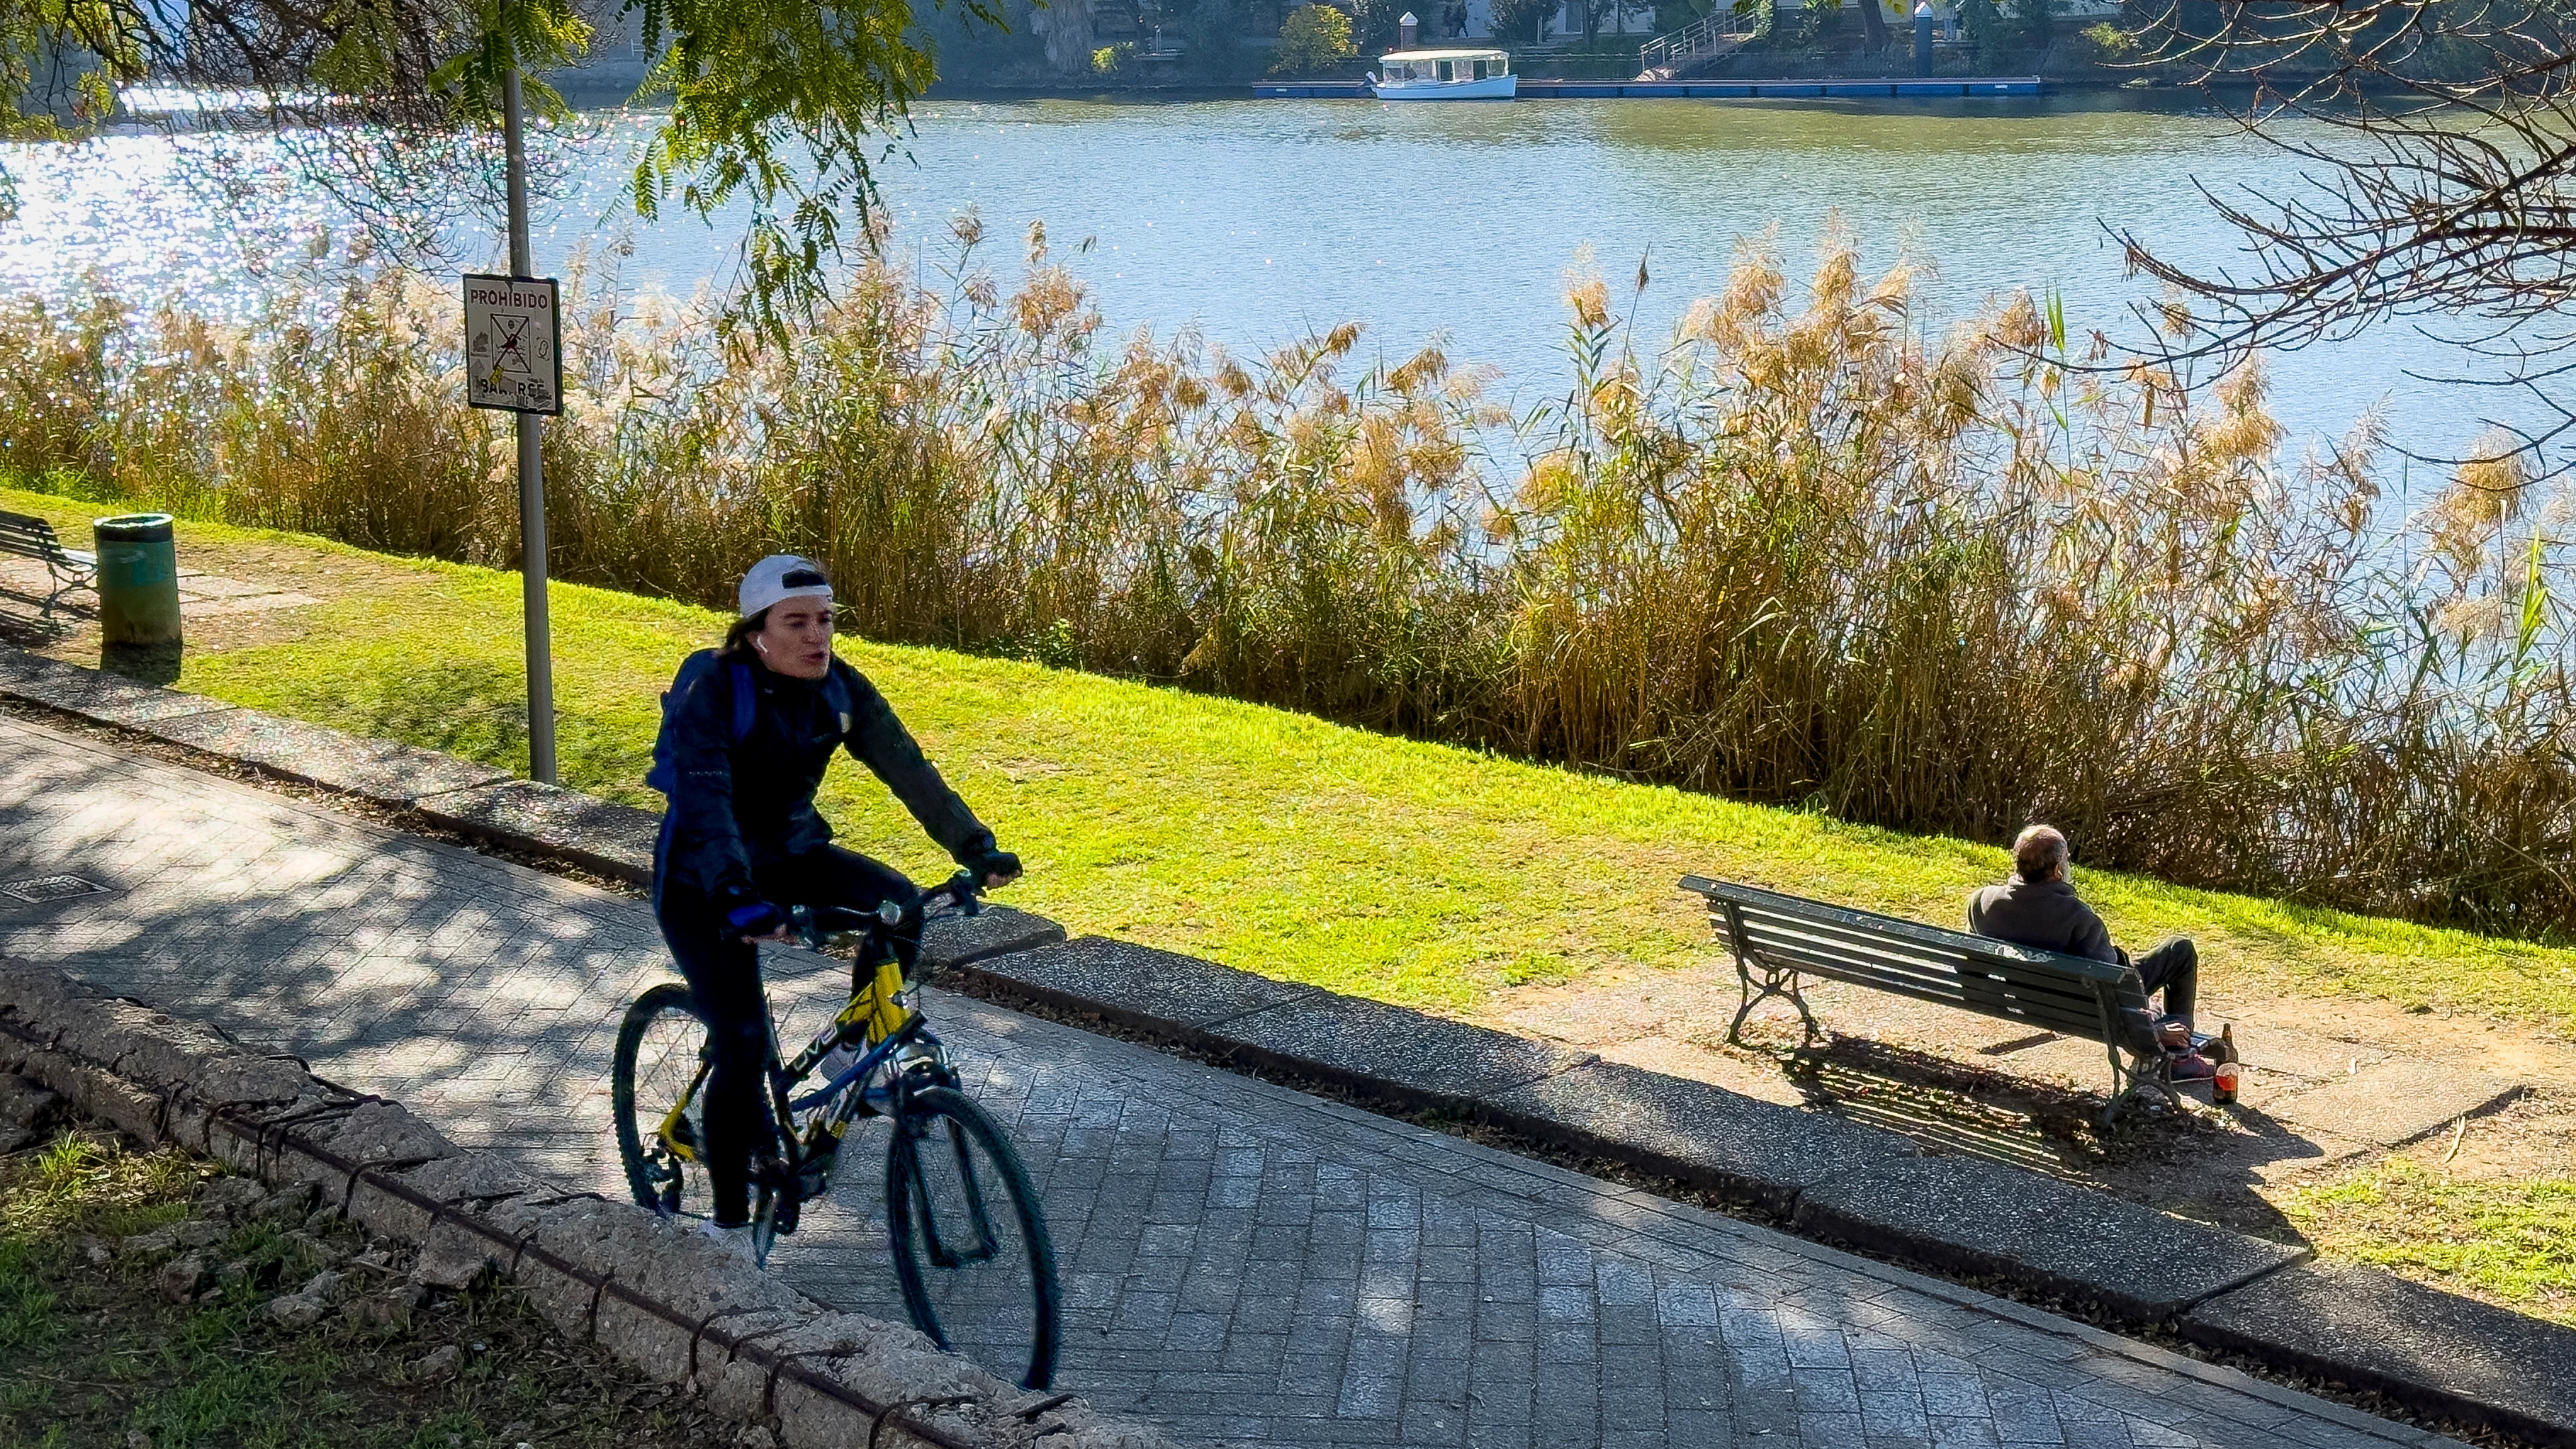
column 1409, row 872
column 2509, row 1242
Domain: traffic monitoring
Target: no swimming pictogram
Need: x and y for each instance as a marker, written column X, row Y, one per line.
column 512, row 358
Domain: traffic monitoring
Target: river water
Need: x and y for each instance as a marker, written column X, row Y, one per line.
column 1258, row 220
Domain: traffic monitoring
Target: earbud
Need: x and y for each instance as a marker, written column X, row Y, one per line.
column 759, row 643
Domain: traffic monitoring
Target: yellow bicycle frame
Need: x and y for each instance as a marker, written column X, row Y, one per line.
column 874, row 1009
column 668, row 1131
column 877, row 1006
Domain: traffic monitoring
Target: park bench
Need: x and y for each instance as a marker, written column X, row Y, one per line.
column 1780, row 940
column 30, row 537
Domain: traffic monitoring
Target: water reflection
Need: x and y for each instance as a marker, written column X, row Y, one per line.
column 1260, row 219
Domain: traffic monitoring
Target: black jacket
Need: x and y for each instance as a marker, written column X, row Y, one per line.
column 735, row 807
column 2046, row 915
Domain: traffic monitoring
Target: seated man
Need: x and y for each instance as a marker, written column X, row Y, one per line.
column 2037, row 907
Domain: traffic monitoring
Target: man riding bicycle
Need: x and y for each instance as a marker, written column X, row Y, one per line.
column 747, row 730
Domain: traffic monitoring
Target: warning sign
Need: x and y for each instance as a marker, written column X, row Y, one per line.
column 512, row 361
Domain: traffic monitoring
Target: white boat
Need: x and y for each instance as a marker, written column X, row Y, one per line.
column 1444, row 75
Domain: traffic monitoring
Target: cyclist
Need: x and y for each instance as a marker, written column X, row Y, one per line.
column 747, row 730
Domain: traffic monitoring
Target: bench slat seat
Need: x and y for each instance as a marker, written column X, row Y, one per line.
column 67, row 568
column 1780, row 941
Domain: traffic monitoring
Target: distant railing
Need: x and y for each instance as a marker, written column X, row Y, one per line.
column 1701, row 38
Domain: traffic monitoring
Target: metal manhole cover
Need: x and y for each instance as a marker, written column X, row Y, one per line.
column 50, row 888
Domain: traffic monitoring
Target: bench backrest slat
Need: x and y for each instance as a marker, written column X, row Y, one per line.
column 1831, row 959
column 1766, row 926
column 2061, row 993
column 1757, row 899
column 2037, row 996
column 32, row 537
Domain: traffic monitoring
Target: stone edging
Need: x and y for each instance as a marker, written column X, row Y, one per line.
column 1826, row 1176
column 654, row 1294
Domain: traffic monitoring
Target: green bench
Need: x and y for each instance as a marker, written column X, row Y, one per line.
column 1781, row 941
column 31, row 537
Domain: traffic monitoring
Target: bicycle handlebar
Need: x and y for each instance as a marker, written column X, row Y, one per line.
column 814, row 925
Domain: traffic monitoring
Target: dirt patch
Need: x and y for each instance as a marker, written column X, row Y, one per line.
column 2532, row 1138
column 146, row 1298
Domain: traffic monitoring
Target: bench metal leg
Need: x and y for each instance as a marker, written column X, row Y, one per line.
column 2130, row 1083
column 63, row 584
column 1774, row 982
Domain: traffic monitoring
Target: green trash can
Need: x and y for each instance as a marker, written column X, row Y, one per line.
column 138, row 580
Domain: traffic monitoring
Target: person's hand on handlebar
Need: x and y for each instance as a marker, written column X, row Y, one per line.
column 995, row 868
column 757, row 922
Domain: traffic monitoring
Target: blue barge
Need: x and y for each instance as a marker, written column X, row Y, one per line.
column 1906, row 88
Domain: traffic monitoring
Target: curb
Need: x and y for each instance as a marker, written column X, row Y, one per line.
column 1824, row 1176
column 2371, row 1328
column 652, row 1293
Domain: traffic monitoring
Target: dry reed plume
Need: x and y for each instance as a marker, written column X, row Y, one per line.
column 1804, row 554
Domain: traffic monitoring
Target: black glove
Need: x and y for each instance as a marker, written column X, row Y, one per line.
column 760, row 918
column 995, row 867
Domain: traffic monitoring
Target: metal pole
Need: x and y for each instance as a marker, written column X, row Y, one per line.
column 532, row 474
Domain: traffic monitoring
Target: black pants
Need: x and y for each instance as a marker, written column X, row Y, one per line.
column 2173, row 968
column 724, row 983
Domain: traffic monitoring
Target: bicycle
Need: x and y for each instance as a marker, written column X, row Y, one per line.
column 939, row 1197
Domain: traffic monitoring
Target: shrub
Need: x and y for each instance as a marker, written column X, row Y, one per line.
column 1313, row 38
column 1801, row 555
column 2109, row 41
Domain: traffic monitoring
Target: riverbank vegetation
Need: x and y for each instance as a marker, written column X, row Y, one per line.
column 1806, row 554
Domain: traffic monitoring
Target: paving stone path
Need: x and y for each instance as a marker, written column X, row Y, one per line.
column 1248, row 1263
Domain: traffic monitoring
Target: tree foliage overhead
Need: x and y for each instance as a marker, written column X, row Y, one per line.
column 2438, row 143
column 775, row 106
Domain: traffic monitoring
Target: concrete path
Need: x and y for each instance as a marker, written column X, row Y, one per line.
column 1248, row 1263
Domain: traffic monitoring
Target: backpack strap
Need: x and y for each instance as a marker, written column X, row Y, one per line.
column 746, row 703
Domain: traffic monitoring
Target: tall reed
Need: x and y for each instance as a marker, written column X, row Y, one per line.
column 1802, row 553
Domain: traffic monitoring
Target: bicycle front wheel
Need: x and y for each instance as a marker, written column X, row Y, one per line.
column 657, row 1089
column 971, row 1249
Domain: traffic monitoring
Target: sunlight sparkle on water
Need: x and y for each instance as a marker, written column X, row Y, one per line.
column 1259, row 221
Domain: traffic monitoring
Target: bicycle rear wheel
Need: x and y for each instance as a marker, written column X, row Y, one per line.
column 657, row 1085
column 970, row 1242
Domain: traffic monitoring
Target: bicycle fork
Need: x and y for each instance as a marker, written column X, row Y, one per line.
column 983, row 1244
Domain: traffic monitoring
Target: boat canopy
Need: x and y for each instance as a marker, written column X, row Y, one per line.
column 1416, row 57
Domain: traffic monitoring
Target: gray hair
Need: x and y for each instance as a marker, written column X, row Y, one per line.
column 2037, row 852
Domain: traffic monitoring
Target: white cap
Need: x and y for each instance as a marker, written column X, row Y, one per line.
column 781, row 576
